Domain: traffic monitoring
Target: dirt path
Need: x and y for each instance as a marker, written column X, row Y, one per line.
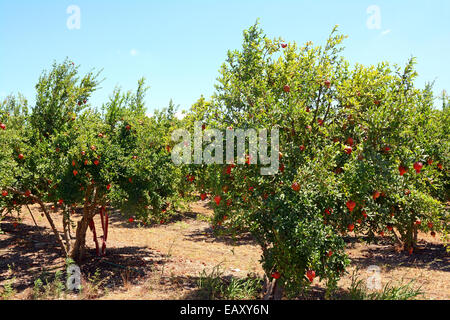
column 164, row 262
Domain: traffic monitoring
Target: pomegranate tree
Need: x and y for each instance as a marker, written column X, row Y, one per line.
column 66, row 156
column 353, row 154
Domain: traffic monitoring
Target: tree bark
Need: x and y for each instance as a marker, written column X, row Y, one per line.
column 79, row 248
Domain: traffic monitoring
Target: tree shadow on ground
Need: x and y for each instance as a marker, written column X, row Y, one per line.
column 122, row 221
column 209, row 235
column 427, row 255
column 25, row 250
column 198, row 293
column 28, row 252
column 122, row 266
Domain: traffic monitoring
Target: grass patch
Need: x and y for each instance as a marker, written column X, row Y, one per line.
column 402, row 291
column 215, row 286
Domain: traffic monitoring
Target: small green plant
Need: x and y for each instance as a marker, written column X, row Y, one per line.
column 38, row 284
column 242, row 289
column 214, row 286
column 7, row 292
column 91, row 288
column 49, row 286
column 359, row 291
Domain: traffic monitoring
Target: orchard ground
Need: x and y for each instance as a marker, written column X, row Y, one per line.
column 165, row 261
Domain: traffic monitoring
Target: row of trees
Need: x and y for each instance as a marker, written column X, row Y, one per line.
column 361, row 150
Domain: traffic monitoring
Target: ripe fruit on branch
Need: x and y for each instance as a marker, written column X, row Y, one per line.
column 21, row 156
column 131, row 220
column 276, row 275
column 203, row 196
column 283, row 45
column 376, row 195
column 75, row 172
column 348, row 150
column 302, row 148
column 217, row 199
column 4, row 193
column 296, row 187
column 2, row 126
column 418, row 166
column 327, row 83
column 310, row 274
column 320, row 122
column 108, row 187
column 328, row 211
column 430, row 225
column 96, row 162
column 350, row 227
column 351, row 205
column 27, row 193
column 287, row 88
column 402, row 170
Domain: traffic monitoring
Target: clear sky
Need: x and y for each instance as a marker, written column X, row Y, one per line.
column 179, row 45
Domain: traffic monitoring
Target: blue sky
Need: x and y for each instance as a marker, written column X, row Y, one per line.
column 179, row 45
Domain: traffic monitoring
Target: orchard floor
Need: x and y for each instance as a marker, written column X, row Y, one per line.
column 164, row 261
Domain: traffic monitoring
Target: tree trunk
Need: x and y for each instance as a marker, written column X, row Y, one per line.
column 273, row 290
column 79, row 247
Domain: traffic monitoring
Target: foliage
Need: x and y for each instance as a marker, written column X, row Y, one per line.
column 69, row 154
column 214, row 285
column 359, row 291
column 344, row 133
